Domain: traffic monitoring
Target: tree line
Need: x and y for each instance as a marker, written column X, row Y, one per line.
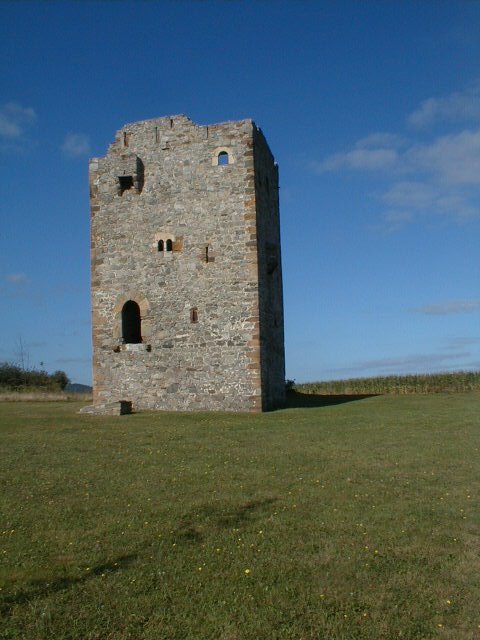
column 17, row 378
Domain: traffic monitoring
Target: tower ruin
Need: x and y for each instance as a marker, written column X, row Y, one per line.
column 186, row 269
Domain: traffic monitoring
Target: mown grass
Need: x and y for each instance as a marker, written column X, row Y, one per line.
column 398, row 384
column 355, row 520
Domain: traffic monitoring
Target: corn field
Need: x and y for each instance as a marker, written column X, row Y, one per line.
column 396, row 384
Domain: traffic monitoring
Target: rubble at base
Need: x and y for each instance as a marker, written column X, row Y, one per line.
column 118, row 408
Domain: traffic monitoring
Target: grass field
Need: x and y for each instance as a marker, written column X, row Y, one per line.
column 357, row 519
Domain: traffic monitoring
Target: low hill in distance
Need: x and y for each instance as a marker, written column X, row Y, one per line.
column 76, row 387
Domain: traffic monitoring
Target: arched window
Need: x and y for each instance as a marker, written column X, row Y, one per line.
column 169, row 245
column 222, row 158
column 160, row 245
column 194, row 315
column 131, row 323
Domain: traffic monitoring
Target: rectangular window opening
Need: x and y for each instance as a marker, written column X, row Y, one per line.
column 126, row 183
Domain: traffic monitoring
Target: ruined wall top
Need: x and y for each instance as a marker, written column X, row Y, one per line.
column 133, row 137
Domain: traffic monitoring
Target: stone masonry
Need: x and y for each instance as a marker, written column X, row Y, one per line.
column 186, row 269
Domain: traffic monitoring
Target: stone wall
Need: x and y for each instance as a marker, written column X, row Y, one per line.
column 269, row 274
column 191, row 242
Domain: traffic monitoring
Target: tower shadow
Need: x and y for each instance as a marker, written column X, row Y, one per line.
column 296, row 400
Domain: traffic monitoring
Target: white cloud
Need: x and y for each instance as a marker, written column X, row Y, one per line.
column 452, row 159
column 381, row 140
column 449, row 307
column 427, row 198
column 458, row 106
column 359, row 158
column 410, row 194
column 377, row 151
column 76, row 144
column 14, row 119
column 434, row 177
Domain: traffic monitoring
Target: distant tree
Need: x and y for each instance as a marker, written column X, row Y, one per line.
column 23, row 357
column 289, row 385
column 17, row 377
column 60, row 378
column 11, row 375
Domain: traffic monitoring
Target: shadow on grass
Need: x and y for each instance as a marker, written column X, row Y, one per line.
column 194, row 526
column 42, row 588
column 296, row 400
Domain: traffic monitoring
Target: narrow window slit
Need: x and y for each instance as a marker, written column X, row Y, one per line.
column 194, row 315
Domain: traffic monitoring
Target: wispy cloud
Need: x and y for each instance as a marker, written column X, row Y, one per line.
column 416, row 197
column 439, row 176
column 453, row 159
column 16, row 278
column 449, row 307
column 461, row 342
column 378, row 151
column 14, row 119
column 76, row 145
column 420, row 363
column 73, row 360
column 458, row 106
column 395, row 220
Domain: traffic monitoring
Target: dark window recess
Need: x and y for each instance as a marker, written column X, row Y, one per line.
column 160, row 245
column 222, row 158
column 126, row 139
column 194, row 315
column 131, row 323
column 169, row 245
column 208, row 254
column 126, row 183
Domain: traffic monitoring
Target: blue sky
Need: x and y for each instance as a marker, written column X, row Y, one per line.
column 372, row 110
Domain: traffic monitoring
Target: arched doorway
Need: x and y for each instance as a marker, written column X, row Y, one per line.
column 131, row 323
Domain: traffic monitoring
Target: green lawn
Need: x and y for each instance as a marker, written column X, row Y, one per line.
column 352, row 520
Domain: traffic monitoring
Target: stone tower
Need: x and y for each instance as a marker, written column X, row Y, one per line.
column 186, row 269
